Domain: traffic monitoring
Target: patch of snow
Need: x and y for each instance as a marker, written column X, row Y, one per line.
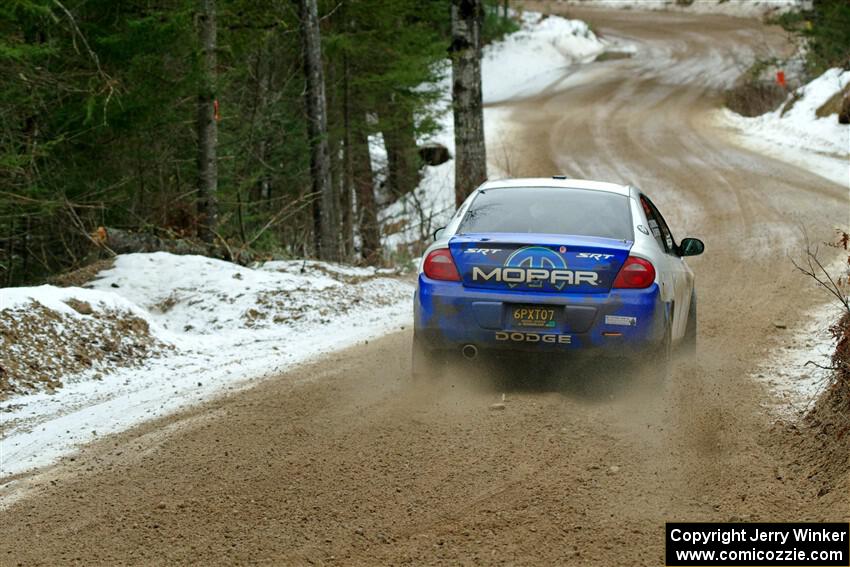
column 194, row 295
column 378, row 157
column 795, row 382
column 741, row 8
column 229, row 325
column 534, row 58
column 821, row 145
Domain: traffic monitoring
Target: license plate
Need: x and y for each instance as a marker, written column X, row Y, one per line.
column 534, row 316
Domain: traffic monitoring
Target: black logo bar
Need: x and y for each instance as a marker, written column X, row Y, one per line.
column 694, row 544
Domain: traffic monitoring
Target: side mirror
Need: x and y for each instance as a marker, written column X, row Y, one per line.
column 691, row 247
column 439, row 232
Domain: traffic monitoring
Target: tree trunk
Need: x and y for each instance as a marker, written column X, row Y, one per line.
column 264, row 70
column 367, row 208
column 324, row 210
column 347, row 164
column 264, row 186
column 207, row 126
column 505, row 7
column 336, row 144
column 402, row 153
column 470, row 153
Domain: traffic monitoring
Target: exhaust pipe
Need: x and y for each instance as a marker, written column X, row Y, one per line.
column 470, row 352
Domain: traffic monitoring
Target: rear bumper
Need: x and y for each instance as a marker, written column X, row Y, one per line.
column 619, row 323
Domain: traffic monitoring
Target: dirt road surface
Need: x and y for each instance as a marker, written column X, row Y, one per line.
column 346, row 462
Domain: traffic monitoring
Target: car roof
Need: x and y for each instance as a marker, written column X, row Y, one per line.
column 558, row 182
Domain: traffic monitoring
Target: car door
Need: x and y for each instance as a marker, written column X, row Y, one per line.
column 680, row 273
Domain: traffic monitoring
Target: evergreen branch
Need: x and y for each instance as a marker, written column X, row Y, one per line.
column 106, row 78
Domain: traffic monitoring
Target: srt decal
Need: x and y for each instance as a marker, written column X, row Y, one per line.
column 535, row 266
column 620, row 320
column 599, row 257
column 483, row 251
column 533, row 338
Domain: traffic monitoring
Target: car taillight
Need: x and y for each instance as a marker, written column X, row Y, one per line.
column 636, row 273
column 439, row 265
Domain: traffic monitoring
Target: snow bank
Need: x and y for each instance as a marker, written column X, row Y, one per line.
column 795, row 134
column 533, row 59
column 219, row 326
column 741, row 8
column 195, row 295
column 530, row 61
column 50, row 334
column 57, row 299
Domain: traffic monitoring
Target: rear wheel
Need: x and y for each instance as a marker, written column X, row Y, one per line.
column 689, row 341
column 657, row 366
column 426, row 365
column 665, row 354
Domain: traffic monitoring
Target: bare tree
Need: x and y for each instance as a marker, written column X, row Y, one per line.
column 814, row 268
column 324, row 207
column 471, row 155
column 207, row 126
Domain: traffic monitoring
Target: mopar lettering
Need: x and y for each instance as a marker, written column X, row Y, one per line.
column 532, row 276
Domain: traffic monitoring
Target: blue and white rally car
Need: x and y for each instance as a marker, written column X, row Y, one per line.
column 554, row 265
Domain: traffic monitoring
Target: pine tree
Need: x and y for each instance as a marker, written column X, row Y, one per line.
column 470, row 152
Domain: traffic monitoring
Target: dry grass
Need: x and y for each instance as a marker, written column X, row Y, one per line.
column 81, row 276
column 839, row 104
column 829, row 421
column 753, row 97
column 840, row 389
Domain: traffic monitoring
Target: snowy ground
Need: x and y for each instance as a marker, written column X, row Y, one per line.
column 226, row 324
column 742, row 8
column 794, row 370
column 798, row 136
column 534, row 59
column 821, row 145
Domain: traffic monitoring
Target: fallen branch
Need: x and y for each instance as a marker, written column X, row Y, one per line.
column 120, row 241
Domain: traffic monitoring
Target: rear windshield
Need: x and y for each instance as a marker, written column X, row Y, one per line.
column 550, row 210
